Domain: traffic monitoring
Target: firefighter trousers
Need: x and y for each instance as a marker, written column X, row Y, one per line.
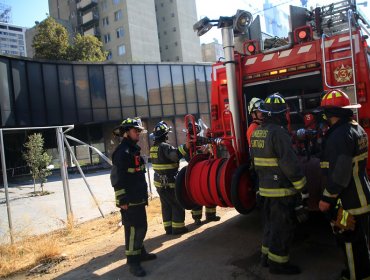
column 135, row 223
column 278, row 233
column 196, row 212
column 172, row 212
column 356, row 248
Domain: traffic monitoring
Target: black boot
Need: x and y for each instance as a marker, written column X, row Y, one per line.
column 286, row 268
column 179, row 230
column 198, row 222
column 137, row 270
column 213, row 218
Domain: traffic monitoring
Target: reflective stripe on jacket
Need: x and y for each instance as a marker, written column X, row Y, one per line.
column 275, row 162
column 165, row 161
column 344, row 164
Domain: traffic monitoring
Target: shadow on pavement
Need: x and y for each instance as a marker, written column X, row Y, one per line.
column 225, row 250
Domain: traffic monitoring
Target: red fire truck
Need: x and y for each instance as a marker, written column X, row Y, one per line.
column 326, row 49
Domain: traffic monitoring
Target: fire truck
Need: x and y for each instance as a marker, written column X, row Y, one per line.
column 326, row 49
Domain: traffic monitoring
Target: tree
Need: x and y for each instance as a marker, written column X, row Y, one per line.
column 51, row 40
column 37, row 159
column 87, row 48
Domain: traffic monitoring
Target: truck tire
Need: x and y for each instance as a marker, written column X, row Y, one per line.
column 180, row 191
column 246, row 205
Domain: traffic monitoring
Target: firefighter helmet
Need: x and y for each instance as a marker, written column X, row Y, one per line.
column 127, row 124
column 337, row 98
column 189, row 129
column 273, row 104
column 254, row 104
column 160, row 130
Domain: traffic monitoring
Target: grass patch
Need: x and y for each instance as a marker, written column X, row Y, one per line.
column 29, row 252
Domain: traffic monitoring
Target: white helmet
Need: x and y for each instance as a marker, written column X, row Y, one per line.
column 254, row 104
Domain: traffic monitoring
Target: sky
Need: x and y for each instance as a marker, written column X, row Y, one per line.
column 26, row 12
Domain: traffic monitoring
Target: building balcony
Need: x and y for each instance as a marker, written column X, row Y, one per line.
column 90, row 18
column 92, row 31
column 84, row 5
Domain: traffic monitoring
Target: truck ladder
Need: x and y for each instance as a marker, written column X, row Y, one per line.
column 351, row 56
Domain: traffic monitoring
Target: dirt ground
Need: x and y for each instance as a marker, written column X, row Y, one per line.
column 92, row 239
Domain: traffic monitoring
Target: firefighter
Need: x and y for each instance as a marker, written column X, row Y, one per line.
column 256, row 116
column 196, row 212
column 280, row 180
column 165, row 162
column 130, row 187
column 347, row 194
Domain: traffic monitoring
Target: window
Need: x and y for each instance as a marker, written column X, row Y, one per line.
column 107, row 38
column 109, row 55
column 165, row 32
column 119, row 32
column 172, row 14
column 163, row 18
column 118, row 15
column 121, row 50
column 105, row 21
column 161, row 4
column 174, row 29
column 116, row 2
column 166, row 47
column 177, row 58
column 104, row 5
column 176, row 44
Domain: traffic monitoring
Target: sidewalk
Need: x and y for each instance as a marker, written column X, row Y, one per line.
column 41, row 214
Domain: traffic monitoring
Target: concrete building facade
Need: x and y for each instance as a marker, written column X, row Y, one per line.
column 129, row 29
column 212, row 52
column 177, row 39
column 12, row 39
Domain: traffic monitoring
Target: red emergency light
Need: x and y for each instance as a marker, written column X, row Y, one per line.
column 303, row 34
column 251, row 47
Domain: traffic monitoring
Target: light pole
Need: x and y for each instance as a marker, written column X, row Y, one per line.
column 238, row 24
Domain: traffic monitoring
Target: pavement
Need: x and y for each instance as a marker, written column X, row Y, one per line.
column 228, row 249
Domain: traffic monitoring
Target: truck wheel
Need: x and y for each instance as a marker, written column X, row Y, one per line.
column 180, row 191
column 243, row 195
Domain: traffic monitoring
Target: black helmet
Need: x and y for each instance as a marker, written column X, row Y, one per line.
column 189, row 129
column 273, row 104
column 160, row 130
column 127, row 124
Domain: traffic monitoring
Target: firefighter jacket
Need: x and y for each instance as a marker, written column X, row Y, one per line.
column 344, row 164
column 128, row 174
column 165, row 161
column 275, row 161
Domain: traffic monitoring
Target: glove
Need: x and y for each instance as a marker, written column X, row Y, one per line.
column 344, row 221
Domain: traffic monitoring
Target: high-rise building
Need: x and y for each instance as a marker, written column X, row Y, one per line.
column 12, row 39
column 212, row 52
column 129, row 30
column 177, row 39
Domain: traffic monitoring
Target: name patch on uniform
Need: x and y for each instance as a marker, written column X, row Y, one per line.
column 362, row 142
column 260, row 133
column 258, row 144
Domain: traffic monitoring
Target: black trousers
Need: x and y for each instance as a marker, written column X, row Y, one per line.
column 278, row 233
column 135, row 223
column 196, row 212
column 172, row 212
column 356, row 247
